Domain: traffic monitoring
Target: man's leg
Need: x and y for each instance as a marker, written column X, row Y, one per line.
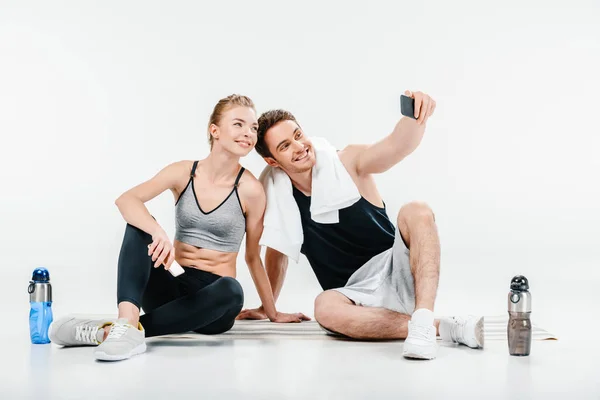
column 416, row 223
column 337, row 313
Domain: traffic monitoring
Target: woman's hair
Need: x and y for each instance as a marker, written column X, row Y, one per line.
column 225, row 105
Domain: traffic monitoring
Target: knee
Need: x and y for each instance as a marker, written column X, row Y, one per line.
column 136, row 234
column 415, row 212
column 231, row 290
column 325, row 312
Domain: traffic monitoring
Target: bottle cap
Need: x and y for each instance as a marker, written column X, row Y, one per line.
column 40, row 274
column 519, row 284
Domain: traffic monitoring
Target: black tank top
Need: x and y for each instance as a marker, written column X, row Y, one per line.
column 336, row 251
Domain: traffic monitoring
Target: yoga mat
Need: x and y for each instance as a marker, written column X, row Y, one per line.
column 495, row 329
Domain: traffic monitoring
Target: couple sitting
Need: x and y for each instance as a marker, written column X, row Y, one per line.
column 379, row 278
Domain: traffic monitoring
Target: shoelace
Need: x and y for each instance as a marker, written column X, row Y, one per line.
column 86, row 333
column 458, row 329
column 419, row 331
column 117, row 330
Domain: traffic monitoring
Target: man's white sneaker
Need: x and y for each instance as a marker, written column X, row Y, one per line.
column 74, row 331
column 123, row 341
column 464, row 330
column 420, row 342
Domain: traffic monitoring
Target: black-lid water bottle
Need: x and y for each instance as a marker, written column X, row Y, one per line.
column 519, row 321
column 40, row 300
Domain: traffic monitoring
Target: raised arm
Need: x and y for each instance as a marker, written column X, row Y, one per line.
column 256, row 201
column 404, row 139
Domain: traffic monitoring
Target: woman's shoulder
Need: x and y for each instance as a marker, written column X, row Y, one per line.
column 176, row 172
column 181, row 166
column 250, row 186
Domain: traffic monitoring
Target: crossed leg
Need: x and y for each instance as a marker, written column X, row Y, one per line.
column 337, row 313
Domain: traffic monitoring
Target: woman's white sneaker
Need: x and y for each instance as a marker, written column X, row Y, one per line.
column 74, row 331
column 123, row 341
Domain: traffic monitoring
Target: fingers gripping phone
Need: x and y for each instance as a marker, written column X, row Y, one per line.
column 407, row 106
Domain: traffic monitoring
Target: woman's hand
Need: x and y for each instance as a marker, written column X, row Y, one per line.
column 161, row 249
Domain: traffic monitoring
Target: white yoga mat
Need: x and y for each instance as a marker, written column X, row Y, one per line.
column 495, row 329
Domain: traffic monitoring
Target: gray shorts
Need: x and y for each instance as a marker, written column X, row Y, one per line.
column 384, row 281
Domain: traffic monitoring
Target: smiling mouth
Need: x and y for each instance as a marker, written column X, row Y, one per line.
column 302, row 156
column 244, row 143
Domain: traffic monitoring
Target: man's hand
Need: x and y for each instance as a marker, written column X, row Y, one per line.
column 259, row 313
column 424, row 105
column 252, row 313
column 284, row 317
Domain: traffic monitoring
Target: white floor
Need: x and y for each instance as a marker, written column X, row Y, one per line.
column 299, row 369
column 318, row 368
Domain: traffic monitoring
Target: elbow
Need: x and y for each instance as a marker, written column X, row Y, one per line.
column 119, row 201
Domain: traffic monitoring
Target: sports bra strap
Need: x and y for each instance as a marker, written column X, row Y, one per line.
column 193, row 174
column 237, row 180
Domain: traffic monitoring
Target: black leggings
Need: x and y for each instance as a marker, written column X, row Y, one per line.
column 195, row 301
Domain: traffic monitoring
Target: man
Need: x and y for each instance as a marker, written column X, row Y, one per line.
column 374, row 286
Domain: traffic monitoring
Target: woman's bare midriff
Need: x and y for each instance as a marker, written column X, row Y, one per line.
column 216, row 262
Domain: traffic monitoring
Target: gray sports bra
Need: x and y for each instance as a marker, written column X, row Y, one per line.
column 220, row 229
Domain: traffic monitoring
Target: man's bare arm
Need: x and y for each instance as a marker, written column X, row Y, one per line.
column 276, row 265
column 404, row 139
column 256, row 200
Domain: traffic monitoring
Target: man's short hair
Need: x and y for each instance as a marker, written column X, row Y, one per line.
column 265, row 122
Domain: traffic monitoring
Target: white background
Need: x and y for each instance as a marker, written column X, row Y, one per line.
column 97, row 97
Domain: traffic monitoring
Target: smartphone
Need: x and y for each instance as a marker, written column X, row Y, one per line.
column 407, row 106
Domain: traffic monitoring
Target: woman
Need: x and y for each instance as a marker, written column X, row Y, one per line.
column 216, row 202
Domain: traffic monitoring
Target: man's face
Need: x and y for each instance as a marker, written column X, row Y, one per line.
column 292, row 150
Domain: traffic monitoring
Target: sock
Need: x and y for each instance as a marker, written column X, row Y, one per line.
column 100, row 335
column 422, row 316
column 446, row 329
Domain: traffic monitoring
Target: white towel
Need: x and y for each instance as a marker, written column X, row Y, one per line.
column 332, row 189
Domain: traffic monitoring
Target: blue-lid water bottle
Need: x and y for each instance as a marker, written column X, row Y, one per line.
column 40, row 300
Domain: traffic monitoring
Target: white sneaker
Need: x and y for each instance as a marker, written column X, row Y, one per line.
column 123, row 341
column 464, row 330
column 74, row 331
column 420, row 342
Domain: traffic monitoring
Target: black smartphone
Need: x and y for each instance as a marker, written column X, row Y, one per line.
column 407, row 106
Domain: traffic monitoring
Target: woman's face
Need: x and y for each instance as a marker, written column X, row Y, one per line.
column 236, row 132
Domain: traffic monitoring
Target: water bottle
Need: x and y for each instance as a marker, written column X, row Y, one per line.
column 519, row 321
column 40, row 300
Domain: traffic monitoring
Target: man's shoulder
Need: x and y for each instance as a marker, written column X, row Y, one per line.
column 349, row 156
column 352, row 151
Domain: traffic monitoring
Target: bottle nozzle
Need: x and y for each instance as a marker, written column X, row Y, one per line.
column 519, row 284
